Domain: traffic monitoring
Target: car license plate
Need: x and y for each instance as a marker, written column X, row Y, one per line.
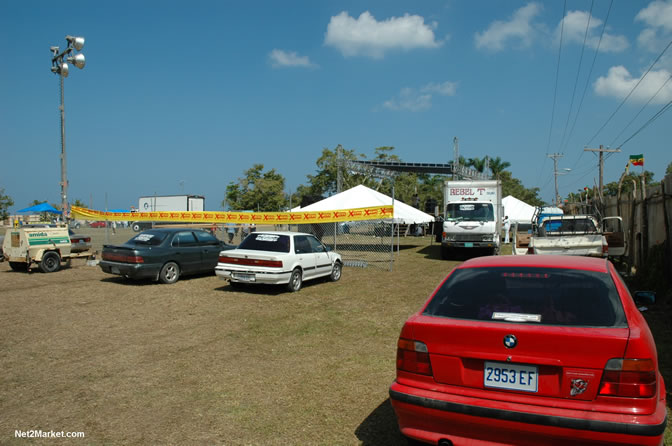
column 115, row 270
column 243, row 277
column 510, row 376
column 468, row 245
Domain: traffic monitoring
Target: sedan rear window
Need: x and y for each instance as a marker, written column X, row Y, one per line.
column 266, row 242
column 151, row 238
column 544, row 296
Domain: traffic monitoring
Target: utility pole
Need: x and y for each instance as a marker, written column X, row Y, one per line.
column 555, row 157
column 601, row 151
column 339, row 167
column 456, row 155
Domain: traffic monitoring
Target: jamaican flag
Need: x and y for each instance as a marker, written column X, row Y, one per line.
column 637, row 160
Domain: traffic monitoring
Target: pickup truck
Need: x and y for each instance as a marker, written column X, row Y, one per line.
column 579, row 235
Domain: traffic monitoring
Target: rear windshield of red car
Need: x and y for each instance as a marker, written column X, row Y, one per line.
column 545, row 296
column 266, row 242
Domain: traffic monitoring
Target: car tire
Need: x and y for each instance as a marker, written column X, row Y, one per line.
column 51, row 262
column 136, row 227
column 295, row 281
column 170, row 273
column 18, row 266
column 336, row 271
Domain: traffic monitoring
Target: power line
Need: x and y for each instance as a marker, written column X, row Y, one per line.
column 585, row 88
column 631, row 91
column 578, row 71
column 660, row 112
column 557, row 76
column 555, row 92
column 641, row 110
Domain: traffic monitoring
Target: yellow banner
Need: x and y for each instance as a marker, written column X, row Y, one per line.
column 258, row 218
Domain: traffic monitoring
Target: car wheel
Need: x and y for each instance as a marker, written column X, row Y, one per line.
column 51, row 262
column 336, row 272
column 169, row 273
column 295, row 280
column 136, row 227
column 18, row 266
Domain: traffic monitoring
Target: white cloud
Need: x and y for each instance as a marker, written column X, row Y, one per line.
column 657, row 17
column 446, row 88
column 365, row 36
column 519, row 31
column 415, row 100
column 281, row 58
column 573, row 26
column 619, row 82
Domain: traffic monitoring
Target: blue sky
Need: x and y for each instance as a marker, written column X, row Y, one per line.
column 182, row 97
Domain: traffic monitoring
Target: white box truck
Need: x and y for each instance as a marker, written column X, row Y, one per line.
column 473, row 216
column 158, row 203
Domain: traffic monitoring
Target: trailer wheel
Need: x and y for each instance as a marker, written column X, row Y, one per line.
column 51, row 262
column 18, row 266
column 136, row 227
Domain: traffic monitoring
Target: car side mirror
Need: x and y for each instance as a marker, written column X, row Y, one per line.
column 644, row 297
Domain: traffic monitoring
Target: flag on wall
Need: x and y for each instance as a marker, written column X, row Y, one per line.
column 637, row 160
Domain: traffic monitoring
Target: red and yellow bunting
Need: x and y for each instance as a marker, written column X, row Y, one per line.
column 258, row 218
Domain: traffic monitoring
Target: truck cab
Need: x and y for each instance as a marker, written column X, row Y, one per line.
column 472, row 216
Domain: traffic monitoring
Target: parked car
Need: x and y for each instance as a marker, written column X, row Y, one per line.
column 79, row 243
column 279, row 258
column 98, row 224
column 530, row 350
column 164, row 254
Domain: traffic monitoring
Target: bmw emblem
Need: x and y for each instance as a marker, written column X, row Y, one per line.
column 510, row 341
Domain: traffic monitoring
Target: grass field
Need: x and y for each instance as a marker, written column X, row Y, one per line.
column 199, row 363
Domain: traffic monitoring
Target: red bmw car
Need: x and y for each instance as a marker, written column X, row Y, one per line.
column 529, row 350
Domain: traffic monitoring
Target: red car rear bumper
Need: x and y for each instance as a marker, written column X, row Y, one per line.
column 431, row 416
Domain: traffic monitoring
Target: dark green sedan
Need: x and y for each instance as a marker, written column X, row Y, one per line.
column 164, row 254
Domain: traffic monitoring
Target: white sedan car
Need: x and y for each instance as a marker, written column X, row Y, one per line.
column 279, row 258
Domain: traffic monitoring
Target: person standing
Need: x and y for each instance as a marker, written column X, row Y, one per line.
column 507, row 228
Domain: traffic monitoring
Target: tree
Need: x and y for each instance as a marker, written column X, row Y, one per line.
column 611, row 189
column 5, row 202
column 669, row 169
column 513, row 186
column 257, row 190
column 497, row 166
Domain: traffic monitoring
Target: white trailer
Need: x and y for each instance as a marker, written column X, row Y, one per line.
column 159, row 203
column 472, row 216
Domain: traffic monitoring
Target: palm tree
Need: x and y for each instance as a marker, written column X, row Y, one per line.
column 497, row 166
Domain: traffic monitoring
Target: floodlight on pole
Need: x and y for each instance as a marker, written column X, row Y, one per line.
column 61, row 67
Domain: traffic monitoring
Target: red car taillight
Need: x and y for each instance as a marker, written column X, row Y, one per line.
column 413, row 356
column 605, row 249
column 250, row 262
column 530, row 250
column 122, row 258
column 630, row 378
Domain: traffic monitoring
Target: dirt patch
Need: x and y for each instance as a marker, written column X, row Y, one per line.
column 200, row 362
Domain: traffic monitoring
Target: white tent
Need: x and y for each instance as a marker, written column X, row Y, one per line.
column 517, row 210
column 361, row 196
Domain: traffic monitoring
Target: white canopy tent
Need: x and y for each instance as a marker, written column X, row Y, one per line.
column 518, row 211
column 361, row 196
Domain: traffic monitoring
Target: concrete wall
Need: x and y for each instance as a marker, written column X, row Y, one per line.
column 647, row 219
